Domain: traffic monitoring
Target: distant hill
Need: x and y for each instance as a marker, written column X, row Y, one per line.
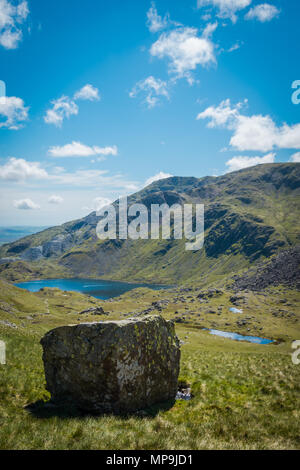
column 11, row 234
column 249, row 216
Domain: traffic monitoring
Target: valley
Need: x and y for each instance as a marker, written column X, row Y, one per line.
column 245, row 281
column 249, row 216
column 245, row 395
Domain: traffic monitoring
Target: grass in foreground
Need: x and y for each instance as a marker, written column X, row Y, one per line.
column 246, row 396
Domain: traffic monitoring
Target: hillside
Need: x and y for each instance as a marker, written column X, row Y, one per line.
column 249, row 216
column 245, row 395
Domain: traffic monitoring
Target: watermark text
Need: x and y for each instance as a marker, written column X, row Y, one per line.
column 296, row 94
column 2, row 353
column 159, row 222
column 296, row 354
column 2, row 90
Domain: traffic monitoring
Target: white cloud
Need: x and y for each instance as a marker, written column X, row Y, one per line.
column 227, row 8
column 55, row 200
column 19, row 170
column 238, row 163
column 10, row 39
column 65, row 107
column 209, row 29
column 222, row 115
column 11, row 17
column 93, row 178
column 234, row 47
column 97, row 204
column 88, row 92
column 159, row 176
column 107, row 150
column 100, row 202
column 295, row 158
column 22, row 11
column 185, row 50
column 153, row 88
column 62, row 108
column 154, row 21
column 263, row 13
column 255, row 132
column 26, row 205
column 12, row 112
column 77, row 149
column 206, row 17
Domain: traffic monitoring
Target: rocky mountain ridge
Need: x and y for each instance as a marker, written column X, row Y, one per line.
column 250, row 215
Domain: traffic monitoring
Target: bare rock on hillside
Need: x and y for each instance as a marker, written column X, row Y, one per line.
column 283, row 268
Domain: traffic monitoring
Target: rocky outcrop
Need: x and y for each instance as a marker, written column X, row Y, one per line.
column 33, row 254
column 57, row 245
column 208, row 294
column 93, row 311
column 7, row 323
column 283, row 268
column 117, row 366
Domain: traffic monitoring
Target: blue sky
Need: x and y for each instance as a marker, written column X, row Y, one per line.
column 102, row 97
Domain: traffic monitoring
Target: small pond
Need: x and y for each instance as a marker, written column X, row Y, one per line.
column 235, row 310
column 237, row 337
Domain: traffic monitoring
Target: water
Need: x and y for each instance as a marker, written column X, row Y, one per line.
column 96, row 288
column 237, row 337
column 235, row 310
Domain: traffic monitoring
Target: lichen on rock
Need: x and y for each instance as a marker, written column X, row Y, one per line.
column 116, row 366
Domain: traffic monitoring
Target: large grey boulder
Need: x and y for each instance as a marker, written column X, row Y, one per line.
column 117, row 366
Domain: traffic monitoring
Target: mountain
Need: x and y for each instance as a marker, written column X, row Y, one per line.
column 11, row 234
column 250, row 215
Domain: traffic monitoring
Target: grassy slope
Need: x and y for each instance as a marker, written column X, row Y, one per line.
column 245, row 395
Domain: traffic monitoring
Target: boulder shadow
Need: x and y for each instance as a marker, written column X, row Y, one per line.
column 46, row 410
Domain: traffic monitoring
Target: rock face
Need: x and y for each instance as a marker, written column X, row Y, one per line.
column 57, row 246
column 117, row 366
column 33, row 254
column 93, row 311
column 280, row 269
